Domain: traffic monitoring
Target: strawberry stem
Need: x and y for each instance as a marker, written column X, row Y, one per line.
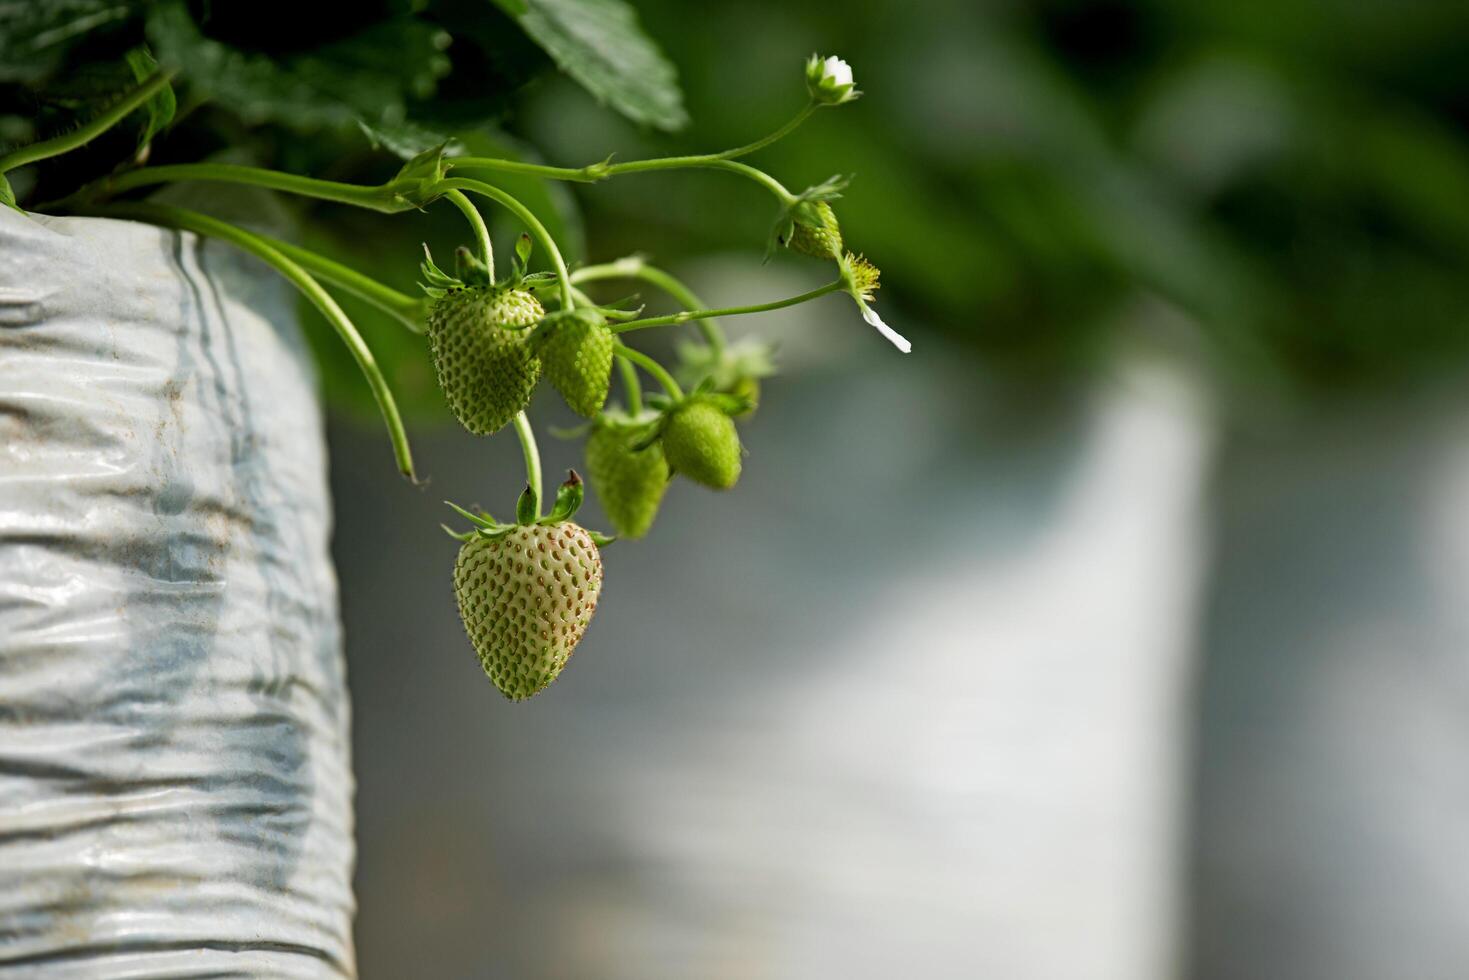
column 592, row 173
column 687, row 315
column 172, row 217
column 481, row 233
column 595, row 172
column 634, row 389
column 83, row 135
column 532, row 459
column 406, row 309
column 634, row 267
column 652, row 367
column 378, row 197
column 528, row 218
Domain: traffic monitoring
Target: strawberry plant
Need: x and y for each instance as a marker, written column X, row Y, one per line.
column 527, row 589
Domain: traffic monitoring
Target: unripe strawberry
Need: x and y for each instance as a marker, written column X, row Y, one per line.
column 526, row 598
column 628, row 481
column 482, row 353
column 576, row 351
column 700, row 442
column 821, row 238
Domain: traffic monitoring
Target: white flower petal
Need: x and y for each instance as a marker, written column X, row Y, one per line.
column 898, row 340
column 837, row 71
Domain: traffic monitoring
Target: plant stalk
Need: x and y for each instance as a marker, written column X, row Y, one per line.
column 687, row 315
column 532, row 457
column 83, row 135
column 659, row 373
column 481, row 233
column 173, row 217
column 528, row 218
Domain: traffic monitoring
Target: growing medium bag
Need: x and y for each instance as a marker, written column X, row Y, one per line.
column 175, row 790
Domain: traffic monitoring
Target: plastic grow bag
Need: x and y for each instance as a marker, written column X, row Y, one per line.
column 175, row 790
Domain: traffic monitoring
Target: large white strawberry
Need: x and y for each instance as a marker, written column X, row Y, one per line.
column 526, row 592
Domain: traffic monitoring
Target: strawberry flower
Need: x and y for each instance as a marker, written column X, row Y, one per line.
column 861, row 280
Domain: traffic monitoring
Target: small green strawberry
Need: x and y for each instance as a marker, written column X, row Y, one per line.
column 807, row 223
column 527, row 591
column 480, row 335
column 576, row 350
column 816, row 232
column 700, row 442
column 629, row 480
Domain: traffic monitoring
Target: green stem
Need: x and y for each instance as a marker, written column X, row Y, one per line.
column 595, row 172
column 652, row 367
column 585, row 175
column 635, row 268
column 380, row 197
column 528, row 218
column 592, row 173
column 780, row 133
column 532, row 457
column 204, row 225
column 687, row 315
column 405, row 309
column 83, row 135
column 481, row 233
column 634, row 389
column 705, row 163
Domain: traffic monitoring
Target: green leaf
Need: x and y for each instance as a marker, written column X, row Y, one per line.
column 514, row 8
column 36, row 35
column 370, row 75
column 600, row 44
column 404, row 140
column 161, row 107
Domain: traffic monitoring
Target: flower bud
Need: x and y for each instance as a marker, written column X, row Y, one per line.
column 829, row 80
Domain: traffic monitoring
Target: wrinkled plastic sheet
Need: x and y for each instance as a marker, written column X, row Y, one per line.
column 175, row 790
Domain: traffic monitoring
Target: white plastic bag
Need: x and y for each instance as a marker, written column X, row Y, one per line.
column 175, row 789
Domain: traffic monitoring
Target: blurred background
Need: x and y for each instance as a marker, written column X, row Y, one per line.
column 1119, row 631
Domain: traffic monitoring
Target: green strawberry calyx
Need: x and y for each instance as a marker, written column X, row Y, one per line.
column 469, row 271
column 802, row 210
column 645, row 428
column 569, row 498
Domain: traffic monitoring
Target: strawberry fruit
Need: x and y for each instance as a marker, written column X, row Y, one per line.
column 481, row 342
column 700, row 442
column 576, row 351
column 629, row 480
column 526, row 591
column 526, row 597
column 821, row 237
